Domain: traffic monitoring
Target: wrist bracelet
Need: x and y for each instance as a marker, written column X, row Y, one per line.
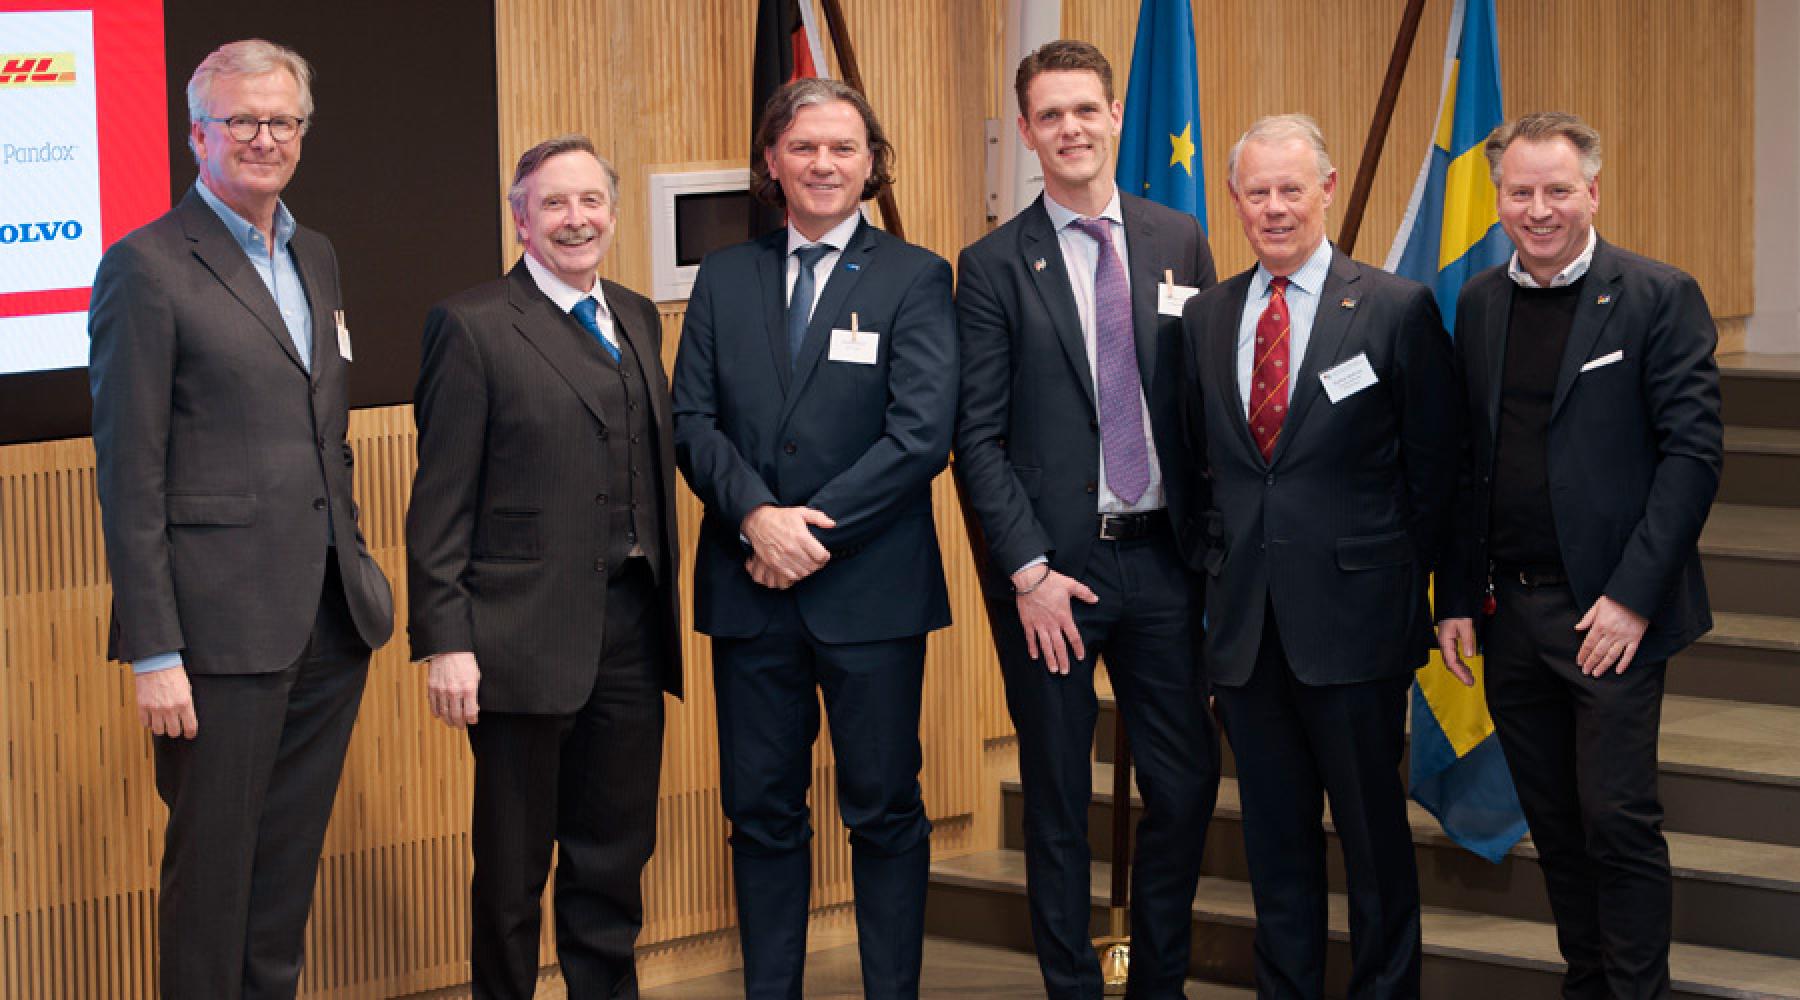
column 1040, row 582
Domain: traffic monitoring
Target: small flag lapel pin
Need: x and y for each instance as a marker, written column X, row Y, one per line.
column 1038, row 265
column 1602, row 300
column 1347, row 303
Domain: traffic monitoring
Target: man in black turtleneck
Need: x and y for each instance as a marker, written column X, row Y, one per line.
column 1594, row 456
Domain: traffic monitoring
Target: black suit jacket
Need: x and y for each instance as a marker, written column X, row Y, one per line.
column 503, row 535
column 859, row 442
column 221, row 461
column 1340, row 531
column 1028, row 431
column 1635, row 446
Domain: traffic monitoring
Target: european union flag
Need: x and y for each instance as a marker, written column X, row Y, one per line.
column 1159, row 150
column 1451, row 231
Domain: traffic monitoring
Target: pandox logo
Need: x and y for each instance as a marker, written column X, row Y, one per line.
column 52, row 69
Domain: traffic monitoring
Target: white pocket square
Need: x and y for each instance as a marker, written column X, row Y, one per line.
column 1603, row 360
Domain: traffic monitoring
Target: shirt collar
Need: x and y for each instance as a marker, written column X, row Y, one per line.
column 1310, row 278
column 1062, row 217
column 1567, row 276
column 561, row 292
column 837, row 238
column 241, row 228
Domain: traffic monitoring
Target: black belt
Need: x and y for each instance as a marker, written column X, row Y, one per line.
column 1125, row 527
column 1530, row 576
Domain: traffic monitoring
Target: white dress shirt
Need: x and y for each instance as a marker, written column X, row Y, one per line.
column 566, row 296
column 1567, row 276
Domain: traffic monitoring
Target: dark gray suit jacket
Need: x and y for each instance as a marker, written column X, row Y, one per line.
column 1635, row 446
column 502, row 533
column 218, row 455
column 1028, row 431
column 1340, row 531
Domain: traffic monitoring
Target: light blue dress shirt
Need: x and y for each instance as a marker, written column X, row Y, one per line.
column 1303, row 291
column 281, row 276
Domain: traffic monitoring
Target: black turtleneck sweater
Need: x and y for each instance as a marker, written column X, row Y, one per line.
column 1522, row 530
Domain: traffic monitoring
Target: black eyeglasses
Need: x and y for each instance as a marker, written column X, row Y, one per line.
column 243, row 128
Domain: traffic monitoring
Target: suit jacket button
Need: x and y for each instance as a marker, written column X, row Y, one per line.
column 599, row 565
column 602, row 434
column 1270, row 481
column 321, row 440
column 1092, row 486
column 599, row 498
column 790, row 447
column 318, row 503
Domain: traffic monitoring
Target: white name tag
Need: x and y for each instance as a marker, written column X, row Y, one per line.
column 1603, row 360
column 1170, row 298
column 857, row 347
column 1348, row 379
column 343, row 333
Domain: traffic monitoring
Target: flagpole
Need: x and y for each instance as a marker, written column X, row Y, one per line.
column 1378, row 128
column 846, row 55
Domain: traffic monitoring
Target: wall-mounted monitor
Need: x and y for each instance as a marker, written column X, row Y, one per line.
column 692, row 213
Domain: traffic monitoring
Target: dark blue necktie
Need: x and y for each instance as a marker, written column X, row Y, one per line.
column 587, row 312
column 801, row 302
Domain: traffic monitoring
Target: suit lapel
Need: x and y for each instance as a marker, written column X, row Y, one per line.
column 556, row 335
column 1337, row 310
column 1141, row 246
column 1599, row 297
column 771, row 277
column 215, row 247
column 324, row 325
column 1043, row 260
column 1221, row 351
column 857, row 256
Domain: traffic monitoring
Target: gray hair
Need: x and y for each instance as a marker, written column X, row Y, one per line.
column 533, row 158
column 1280, row 128
column 248, row 57
column 1543, row 126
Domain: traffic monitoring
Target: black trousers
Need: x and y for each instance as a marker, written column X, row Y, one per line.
column 768, row 690
column 586, row 784
column 1582, row 752
column 1298, row 745
column 1146, row 628
column 249, row 799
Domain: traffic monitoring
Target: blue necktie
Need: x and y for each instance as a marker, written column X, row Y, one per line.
column 587, row 312
column 801, row 302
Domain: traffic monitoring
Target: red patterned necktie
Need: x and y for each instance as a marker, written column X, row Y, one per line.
column 1269, row 375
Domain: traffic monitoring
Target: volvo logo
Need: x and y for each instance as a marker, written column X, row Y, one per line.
column 39, row 232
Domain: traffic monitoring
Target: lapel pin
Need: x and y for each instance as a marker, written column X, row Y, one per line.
column 1347, row 303
column 1602, row 300
column 1038, row 265
column 852, row 266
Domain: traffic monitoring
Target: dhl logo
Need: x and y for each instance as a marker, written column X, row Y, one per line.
column 55, row 69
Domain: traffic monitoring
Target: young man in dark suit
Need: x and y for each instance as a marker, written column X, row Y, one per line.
column 1596, row 444
column 1070, row 452
column 1322, row 390
column 815, row 389
column 243, row 594
column 541, row 558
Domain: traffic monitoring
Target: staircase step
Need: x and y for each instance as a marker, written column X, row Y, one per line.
column 1728, row 893
column 1752, row 658
column 1760, row 390
column 1762, row 465
column 1471, row 956
column 1752, row 558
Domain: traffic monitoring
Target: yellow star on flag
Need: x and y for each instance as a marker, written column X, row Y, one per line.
column 1182, row 149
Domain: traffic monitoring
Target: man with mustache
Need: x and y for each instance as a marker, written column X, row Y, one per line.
column 243, row 594
column 541, row 558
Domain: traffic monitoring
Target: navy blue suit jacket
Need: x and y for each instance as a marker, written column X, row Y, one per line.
column 859, row 442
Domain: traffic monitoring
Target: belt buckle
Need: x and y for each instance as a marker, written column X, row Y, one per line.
column 1107, row 522
column 1525, row 581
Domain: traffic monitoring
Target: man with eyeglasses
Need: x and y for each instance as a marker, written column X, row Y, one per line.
column 244, row 597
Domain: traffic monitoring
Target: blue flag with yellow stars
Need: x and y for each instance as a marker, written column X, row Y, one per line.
column 1159, row 150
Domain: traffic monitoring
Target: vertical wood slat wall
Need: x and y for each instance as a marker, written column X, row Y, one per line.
column 1668, row 83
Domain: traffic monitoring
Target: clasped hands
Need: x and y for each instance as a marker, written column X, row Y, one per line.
column 782, row 546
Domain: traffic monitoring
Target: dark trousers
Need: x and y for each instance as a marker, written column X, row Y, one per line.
column 1582, row 752
column 1146, row 628
column 1297, row 745
column 587, row 784
column 768, row 692
column 249, row 799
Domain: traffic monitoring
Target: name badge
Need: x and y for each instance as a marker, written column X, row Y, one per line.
column 1348, row 379
column 1171, row 297
column 855, row 346
column 343, row 334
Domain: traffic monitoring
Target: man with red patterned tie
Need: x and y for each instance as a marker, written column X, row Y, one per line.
column 1321, row 391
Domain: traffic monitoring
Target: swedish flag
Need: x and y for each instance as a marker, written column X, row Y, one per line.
column 1450, row 232
column 1159, row 150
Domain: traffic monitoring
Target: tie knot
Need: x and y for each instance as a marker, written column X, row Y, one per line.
column 1278, row 284
column 1099, row 229
column 811, row 254
column 587, row 311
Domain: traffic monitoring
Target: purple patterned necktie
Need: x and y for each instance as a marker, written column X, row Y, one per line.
column 1115, row 362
